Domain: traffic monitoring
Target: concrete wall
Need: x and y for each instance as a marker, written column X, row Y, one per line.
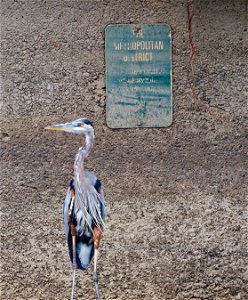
column 176, row 197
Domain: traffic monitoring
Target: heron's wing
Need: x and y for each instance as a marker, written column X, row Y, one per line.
column 91, row 177
column 84, row 251
column 84, row 244
column 98, row 186
column 66, row 212
column 102, row 201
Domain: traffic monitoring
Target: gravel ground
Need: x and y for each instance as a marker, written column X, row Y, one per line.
column 176, row 197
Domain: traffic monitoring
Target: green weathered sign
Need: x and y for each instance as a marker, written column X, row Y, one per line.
column 138, row 75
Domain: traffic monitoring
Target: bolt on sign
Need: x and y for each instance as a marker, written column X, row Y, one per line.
column 138, row 75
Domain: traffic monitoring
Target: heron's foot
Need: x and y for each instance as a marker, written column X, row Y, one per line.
column 95, row 277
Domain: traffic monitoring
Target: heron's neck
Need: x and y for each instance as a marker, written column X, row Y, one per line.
column 82, row 154
column 89, row 142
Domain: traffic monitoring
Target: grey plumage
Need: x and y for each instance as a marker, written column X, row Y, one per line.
column 89, row 207
column 87, row 199
column 87, row 204
column 84, row 209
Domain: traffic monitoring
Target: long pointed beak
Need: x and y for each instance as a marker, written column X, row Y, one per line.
column 71, row 127
column 61, row 127
column 57, row 127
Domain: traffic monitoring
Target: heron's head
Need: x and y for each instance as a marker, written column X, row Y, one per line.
column 80, row 126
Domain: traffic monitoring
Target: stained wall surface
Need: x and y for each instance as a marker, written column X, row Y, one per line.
column 176, row 197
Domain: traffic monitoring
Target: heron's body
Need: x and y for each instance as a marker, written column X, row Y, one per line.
column 84, row 238
column 84, row 209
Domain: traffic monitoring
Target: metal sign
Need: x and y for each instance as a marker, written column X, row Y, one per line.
column 138, row 75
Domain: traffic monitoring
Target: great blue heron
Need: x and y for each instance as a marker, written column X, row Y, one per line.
column 84, row 209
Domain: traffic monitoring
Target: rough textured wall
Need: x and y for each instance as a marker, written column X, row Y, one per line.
column 176, row 197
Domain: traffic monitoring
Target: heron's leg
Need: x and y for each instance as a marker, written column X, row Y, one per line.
column 97, row 238
column 72, row 229
column 73, row 234
column 74, row 265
